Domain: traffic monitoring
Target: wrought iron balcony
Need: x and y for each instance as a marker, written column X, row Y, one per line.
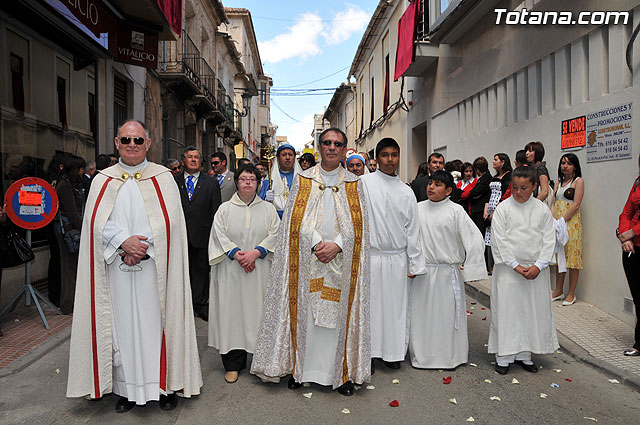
column 180, row 64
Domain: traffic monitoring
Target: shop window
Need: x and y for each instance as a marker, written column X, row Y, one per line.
column 91, row 99
column 17, row 83
column 61, row 86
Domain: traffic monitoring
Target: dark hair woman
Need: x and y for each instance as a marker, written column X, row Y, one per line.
column 71, row 198
column 629, row 235
column 499, row 188
column 535, row 155
column 243, row 233
column 307, row 160
column 567, row 199
column 466, row 183
column 479, row 195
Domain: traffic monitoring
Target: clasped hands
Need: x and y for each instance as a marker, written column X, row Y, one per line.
column 134, row 250
column 626, row 240
column 326, row 251
column 528, row 273
column 247, row 259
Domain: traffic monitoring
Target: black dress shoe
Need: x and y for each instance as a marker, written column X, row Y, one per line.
column 373, row 366
column 168, row 402
column 124, row 405
column 629, row 352
column 393, row 365
column 347, row 388
column 502, row 370
column 292, row 384
column 204, row 316
column 528, row 367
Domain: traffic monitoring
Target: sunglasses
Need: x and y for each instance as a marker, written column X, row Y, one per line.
column 127, row 140
column 176, row 168
column 330, row 142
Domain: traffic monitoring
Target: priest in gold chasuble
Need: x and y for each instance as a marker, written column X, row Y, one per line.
column 315, row 323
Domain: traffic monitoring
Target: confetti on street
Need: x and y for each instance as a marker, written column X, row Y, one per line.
column 557, row 370
column 446, row 380
column 57, row 370
column 345, row 411
column 453, row 401
column 470, row 419
column 554, row 385
column 591, row 419
column 488, row 381
column 307, row 395
column 473, row 365
column 495, row 398
column 515, row 381
column 614, row 381
column 371, row 387
column 394, row 403
column 543, row 395
column 396, row 381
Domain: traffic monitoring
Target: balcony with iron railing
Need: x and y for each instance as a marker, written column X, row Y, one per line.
column 180, row 64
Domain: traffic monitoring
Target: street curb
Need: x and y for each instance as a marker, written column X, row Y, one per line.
column 37, row 353
column 571, row 348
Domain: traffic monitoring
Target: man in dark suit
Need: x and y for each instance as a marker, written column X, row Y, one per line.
column 223, row 175
column 200, row 196
column 419, row 185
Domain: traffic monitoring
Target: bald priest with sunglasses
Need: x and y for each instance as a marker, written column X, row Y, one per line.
column 133, row 329
column 315, row 323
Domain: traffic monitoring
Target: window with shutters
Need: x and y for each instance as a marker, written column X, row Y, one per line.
column 120, row 102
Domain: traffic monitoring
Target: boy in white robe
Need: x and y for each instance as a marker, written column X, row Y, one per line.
column 395, row 254
column 522, row 241
column 438, row 338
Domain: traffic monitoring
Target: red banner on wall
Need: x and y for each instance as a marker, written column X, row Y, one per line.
column 172, row 11
column 405, row 54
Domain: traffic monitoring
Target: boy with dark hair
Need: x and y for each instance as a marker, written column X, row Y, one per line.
column 522, row 243
column 395, row 254
column 438, row 337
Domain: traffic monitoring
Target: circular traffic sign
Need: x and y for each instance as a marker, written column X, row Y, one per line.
column 31, row 203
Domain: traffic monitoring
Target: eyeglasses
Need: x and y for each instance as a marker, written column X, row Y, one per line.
column 176, row 168
column 305, row 159
column 330, row 142
column 127, row 140
column 247, row 180
column 214, row 163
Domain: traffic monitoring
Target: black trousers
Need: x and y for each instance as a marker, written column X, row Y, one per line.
column 234, row 360
column 631, row 266
column 199, row 274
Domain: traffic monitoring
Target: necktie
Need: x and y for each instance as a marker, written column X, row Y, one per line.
column 220, row 179
column 190, row 186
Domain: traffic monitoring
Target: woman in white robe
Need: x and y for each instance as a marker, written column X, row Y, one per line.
column 243, row 234
column 522, row 239
column 449, row 238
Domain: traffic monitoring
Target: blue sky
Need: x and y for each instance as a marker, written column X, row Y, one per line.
column 304, row 41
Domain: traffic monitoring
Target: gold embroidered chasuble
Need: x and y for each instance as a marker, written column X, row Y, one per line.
column 337, row 293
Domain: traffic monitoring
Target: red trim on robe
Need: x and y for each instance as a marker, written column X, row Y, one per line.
column 163, row 350
column 94, row 341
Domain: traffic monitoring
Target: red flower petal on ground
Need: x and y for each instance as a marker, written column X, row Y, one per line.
column 567, row 379
column 483, row 308
column 394, row 403
column 484, row 318
column 473, row 303
column 446, row 380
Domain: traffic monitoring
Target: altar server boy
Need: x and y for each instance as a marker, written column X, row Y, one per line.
column 522, row 243
column 438, row 336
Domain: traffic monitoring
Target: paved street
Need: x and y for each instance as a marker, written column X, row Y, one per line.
column 35, row 395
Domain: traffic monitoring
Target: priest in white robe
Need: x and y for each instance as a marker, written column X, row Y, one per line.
column 315, row 323
column 242, row 237
column 522, row 243
column 449, row 239
column 133, row 331
column 396, row 255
